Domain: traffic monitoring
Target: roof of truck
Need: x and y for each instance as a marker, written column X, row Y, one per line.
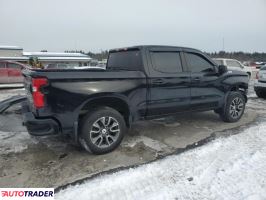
column 151, row 46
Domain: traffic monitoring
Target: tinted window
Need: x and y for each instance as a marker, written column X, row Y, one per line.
column 129, row 60
column 2, row 65
column 14, row 66
column 198, row 64
column 218, row 62
column 233, row 63
column 166, row 62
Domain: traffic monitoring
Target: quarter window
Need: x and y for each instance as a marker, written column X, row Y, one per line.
column 197, row 63
column 166, row 62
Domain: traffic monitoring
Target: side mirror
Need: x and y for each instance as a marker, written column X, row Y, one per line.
column 222, row 69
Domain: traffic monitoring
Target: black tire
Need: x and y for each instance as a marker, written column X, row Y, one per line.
column 218, row 111
column 98, row 138
column 231, row 111
column 260, row 94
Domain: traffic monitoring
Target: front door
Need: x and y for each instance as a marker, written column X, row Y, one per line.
column 205, row 91
column 168, row 84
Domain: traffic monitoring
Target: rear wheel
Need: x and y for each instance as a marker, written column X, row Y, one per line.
column 234, row 107
column 102, row 130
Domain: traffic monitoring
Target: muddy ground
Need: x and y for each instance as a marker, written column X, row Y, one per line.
column 27, row 161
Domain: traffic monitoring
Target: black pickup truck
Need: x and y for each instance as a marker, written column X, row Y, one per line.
column 95, row 107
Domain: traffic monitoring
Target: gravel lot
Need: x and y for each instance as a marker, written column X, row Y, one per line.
column 28, row 161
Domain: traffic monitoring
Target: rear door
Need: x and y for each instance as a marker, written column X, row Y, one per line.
column 14, row 73
column 168, row 82
column 205, row 91
column 3, row 73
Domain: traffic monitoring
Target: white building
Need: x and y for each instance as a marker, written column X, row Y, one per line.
column 71, row 59
column 15, row 53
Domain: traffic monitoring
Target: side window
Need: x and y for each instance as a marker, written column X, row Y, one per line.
column 233, row 63
column 14, row 66
column 218, row 62
column 2, row 65
column 197, row 63
column 166, row 62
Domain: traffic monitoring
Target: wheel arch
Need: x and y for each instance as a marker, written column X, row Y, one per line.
column 117, row 102
column 240, row 87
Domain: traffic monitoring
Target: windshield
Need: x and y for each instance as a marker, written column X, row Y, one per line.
column 218, row 62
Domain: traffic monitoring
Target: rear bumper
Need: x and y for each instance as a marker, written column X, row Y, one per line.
column 260, row 85
column 38, row 127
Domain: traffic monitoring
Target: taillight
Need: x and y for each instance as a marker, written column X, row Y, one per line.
column 37, row 95
column 257, row 75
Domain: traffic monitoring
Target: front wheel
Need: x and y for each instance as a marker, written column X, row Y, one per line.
column 234, row 107
column 102, row 130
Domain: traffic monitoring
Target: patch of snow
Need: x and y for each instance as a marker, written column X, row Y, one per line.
column 5, row 94
column 14, row 142
column 147, row 141
column 226, row 168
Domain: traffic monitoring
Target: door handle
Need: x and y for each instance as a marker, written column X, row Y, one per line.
column 196, row 79
column 157, row 82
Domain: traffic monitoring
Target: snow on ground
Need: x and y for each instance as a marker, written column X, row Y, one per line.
column 226, row 168
column 14, row 142
column 4, row 94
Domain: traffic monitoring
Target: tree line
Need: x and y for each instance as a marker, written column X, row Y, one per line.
column 241, row 56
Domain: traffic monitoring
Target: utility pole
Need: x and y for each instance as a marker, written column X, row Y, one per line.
column 223, row 43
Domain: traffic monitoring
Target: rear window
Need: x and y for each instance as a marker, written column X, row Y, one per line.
column 129, row 60
column 2, row 65
column 14, row 66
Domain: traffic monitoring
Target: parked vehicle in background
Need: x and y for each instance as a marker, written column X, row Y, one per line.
column 233, row 64
column 11, row 72
column 57, row 66
column 95, row 106
column 260, row 83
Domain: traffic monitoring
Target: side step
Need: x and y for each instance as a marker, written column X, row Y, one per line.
column 5, row 104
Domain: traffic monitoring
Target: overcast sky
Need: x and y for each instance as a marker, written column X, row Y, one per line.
column 58, row 25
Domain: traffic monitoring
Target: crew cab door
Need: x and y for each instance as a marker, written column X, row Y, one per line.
column 14, row 73
column 168, row 83
column 205, row 91
column 3, row 73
